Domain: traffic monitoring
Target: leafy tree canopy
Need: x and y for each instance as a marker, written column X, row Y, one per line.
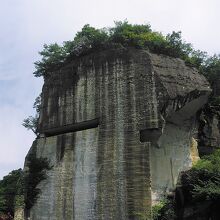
column 19, row 184
column 9, row 188
column 203, row 180
column 37, row 168
column 124, row 34
column 32, row 121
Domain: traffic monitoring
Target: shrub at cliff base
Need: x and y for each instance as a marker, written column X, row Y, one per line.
column 200, row 185
column 122, row 35
column 37, row 168
column 19, row 189
column 203, row 180
column 9, row 188
column 164, row 210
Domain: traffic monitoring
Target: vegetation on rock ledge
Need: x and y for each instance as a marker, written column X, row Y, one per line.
column 10, row 187
column 198, row 194
column 37, row 168
column 204, row 179
column 32, row 121
column 90, row 39
column 123, row 35
column 19, row 188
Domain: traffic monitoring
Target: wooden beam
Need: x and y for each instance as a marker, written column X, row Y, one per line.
column 79, row 126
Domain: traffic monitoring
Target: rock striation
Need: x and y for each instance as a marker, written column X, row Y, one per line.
column 117, row 127
column 209, row 121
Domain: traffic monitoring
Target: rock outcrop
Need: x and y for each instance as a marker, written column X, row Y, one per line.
column 117, row 128
column 209, row 124
column 209, row 130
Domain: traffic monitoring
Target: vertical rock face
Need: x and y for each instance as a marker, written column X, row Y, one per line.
column 216, row 86
column 186, row 92
column 209, row 128
column 116, row 127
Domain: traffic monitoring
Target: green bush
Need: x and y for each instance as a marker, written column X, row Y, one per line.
column 127, row 34
column 36, row 173
column 156, row 210
column 20, row 188
column 203, row 180
column 164, row 210
column 198, row 185
column 9, row 188
column 211, row 68
column 123, row 34
column 31, row 123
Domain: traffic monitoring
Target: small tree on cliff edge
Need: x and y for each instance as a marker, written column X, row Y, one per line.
column 32, row 121
column 123, row 34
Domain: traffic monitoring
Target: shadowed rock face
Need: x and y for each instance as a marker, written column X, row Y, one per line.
column 209, row 126
column 144, row 106
column 209, row 130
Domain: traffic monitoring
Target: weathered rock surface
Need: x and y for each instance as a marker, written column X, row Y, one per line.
column 209, row 124
column 144, row 105
column 209, row 130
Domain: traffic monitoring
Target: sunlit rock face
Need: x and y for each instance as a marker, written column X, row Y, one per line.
column 116, row 126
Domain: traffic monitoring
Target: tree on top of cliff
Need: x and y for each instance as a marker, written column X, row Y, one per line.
column 123, row 34
column 211, row 67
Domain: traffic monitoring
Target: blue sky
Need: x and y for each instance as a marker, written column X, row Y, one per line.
column 27, row 24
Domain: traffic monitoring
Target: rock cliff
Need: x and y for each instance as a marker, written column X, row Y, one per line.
column 117, row 127
column 209, row 129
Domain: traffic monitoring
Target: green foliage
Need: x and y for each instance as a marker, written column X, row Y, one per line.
column 123, row 34
column 52, row 57
column 156, row 210
column 197, row 58
column 31, row 122
column 177, row 47
column 19, row 188
column 199, row 184
column 211, row 70
column 9, row 187
column 89, row 37
column 207, row 186
column 3, row 206
column 129, row 35
column 19, row 201
column 204, row 178
column 164, row 210
column 37, row 168
column 211, row 67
